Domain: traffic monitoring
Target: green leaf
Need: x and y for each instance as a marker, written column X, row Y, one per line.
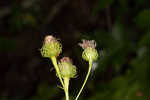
column 145, row 40
column 143, row 19
column 45, row 92
column 124, row 5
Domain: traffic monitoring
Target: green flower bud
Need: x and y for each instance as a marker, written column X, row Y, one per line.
column 89, row 53
column 66, row 68
column 51, row 47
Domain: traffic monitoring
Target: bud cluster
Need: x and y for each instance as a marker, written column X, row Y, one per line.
column 64, row 68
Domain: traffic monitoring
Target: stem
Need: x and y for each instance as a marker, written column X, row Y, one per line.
column 57, row 70
column 66, row 89
column 87, row 75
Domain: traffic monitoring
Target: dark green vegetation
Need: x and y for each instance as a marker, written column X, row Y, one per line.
column 121, row 29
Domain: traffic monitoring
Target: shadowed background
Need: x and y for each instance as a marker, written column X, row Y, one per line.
column 121, row 29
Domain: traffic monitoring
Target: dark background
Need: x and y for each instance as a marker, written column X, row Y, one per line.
column 121, row 29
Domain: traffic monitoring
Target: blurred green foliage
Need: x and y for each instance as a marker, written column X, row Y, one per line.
column 143, row 19
column 118, row 49
column 45, row 92
column 23, row 18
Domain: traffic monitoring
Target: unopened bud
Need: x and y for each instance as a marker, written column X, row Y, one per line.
column 51, row 47
column 67, row 69
column 89, row 53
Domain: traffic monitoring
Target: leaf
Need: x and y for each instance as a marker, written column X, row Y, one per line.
column 45, row 92
column 143, row 19
column 124, row 5
column 145, row 40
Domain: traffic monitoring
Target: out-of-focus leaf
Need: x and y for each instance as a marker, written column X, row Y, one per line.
column 142, row 72
column 126, row 93
column 29, row 19
column 103, row 38
column 119, row 82
column 117, row 32
column 141, row 3
column 120, row 88
column 141, row 69
column 124, row 5
column 45, row 92
column 123, row 34
column 101, row 96
column 21, row 20
column 142, row 20
column 145, row 41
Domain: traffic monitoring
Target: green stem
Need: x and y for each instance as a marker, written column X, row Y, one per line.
column 87, row 75
column 57, row 69
column 66, row 89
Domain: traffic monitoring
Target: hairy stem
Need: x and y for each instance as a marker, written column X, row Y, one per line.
column 57, row 69
column 87, row 76
column 66, row 88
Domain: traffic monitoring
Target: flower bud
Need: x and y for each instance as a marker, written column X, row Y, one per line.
column 51, row 47
column 89, row 53
column 66, row 68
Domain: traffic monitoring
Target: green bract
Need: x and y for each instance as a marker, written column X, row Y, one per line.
column 51, row 47
column 90, row 54
column 67, row 69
